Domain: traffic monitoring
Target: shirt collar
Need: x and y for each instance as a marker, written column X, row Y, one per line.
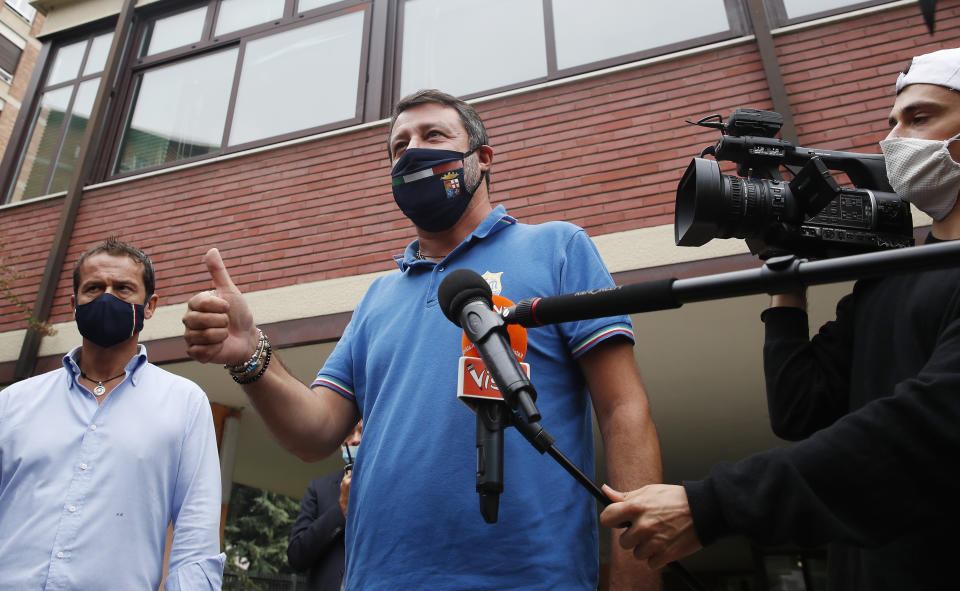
column 495, row 221
column 132, row 368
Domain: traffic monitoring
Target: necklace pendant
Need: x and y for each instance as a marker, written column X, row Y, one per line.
column 99, row 390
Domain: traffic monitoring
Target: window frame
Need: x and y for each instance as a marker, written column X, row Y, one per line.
column 777, row 12
column 380, row 65
column 20, row 7
column 737, row 15
column 30, row 111
column 135, row 66
column 6, row 74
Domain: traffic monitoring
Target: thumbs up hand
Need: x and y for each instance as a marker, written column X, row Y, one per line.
column 218, row 324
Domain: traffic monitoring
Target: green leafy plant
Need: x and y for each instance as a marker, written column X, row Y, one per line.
column 257, row 531
column 8, row 277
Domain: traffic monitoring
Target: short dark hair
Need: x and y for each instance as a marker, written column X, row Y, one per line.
column 476, row 132
column 118, row 248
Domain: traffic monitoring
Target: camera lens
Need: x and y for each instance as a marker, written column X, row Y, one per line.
column 697, row 207
column 712, row 205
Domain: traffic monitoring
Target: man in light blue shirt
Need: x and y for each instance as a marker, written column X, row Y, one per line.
column 99, row 457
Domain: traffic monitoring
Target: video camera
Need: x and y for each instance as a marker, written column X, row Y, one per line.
column 811, row 216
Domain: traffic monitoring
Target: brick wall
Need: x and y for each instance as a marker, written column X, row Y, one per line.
column 603, row 152
column 841, row 76
column 26, row 233
column 18, row 87
column 607, row 152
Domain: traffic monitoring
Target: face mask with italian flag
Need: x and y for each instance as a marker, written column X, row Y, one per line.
column 430, row 188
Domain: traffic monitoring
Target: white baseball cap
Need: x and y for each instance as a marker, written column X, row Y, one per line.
column 940, row 67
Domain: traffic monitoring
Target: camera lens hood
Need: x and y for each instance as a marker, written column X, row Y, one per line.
column 697, row 207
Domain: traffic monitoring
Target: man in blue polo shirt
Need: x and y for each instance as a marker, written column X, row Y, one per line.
column 413, row 519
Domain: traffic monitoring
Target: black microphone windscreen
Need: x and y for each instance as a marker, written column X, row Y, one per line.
column 458, row 288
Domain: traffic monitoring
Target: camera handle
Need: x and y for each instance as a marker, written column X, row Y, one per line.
column 542, row 441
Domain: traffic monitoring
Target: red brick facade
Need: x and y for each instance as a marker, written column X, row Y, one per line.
column 18, row 87
column 605, row 152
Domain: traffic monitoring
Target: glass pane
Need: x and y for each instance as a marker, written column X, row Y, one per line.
column 179, row 111
column 306, row 5
column 240, row 14
column 299, row 79
column 66, row 64
column 797, row 8
column 76, row 126
column 600, row 29
column 433, row 56
column 174, row 31
column 24, row 8
column 99, row 49
column 42, row 147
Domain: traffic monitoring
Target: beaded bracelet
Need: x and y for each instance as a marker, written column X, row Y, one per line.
column 243, row 380
column 251, row 364
column 256, row 366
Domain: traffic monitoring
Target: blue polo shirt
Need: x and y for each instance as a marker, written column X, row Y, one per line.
column 414, row 518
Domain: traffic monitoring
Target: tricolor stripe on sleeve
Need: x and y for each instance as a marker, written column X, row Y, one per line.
column 334, row 385
column 600, row 335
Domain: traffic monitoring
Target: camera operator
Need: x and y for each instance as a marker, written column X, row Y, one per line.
column 874, row 397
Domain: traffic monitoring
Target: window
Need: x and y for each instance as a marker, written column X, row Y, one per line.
column 11, row 46
column 435, row 54
column 169, row 32
column 179, row 111
column 275, row 74
column 306, row 5
column 786, row 12
column 23, row 8
column 236, row 72
column 604, row 29
column 240, row 14
column 543, row 39
column 59, row 122
column 212, row 77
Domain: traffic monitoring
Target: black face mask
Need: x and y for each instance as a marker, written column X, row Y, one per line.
column 108, row 320
column 430, row 188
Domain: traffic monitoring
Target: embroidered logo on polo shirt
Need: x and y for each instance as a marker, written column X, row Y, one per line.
column 494, row 280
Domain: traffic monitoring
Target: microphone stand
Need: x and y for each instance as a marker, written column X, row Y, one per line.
column 777, row 275
column 542, row 441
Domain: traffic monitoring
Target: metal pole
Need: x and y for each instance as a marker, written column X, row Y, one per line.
column 89, row 146
column 771, row 69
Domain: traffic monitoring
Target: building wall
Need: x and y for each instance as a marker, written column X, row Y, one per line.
column 304, row 226
column 12, row 94
column 603, row 151
column 841, row 85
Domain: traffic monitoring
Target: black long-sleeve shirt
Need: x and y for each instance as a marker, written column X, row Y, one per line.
column 874, row 398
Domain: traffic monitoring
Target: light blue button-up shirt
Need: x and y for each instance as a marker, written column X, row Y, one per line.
column 87, row 491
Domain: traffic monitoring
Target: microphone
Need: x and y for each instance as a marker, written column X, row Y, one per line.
column 491, row 421
column 466, row 300
column 597, row 303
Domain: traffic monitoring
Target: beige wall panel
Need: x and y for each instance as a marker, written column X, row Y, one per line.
column 67, row 14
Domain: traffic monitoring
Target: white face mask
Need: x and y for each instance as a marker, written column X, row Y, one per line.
column 349, row 453
column 923, row 172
